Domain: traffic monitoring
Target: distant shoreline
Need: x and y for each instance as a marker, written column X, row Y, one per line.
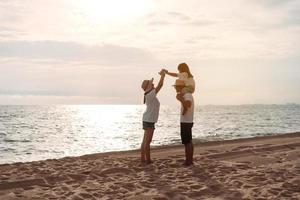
column 197, row 143
column 91, row 104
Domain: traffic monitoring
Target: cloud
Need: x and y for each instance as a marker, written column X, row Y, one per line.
column 177, row 18
column 47, row 92
column 54, row 99
column 200, row 38
column 202, row 22
column 180, row 16
column 289, row 9
column 10, row 11
column 9, row 32
column 274, row 3
column 159, row 23
column 293, row 18
column 70, row 51
column 44, row 48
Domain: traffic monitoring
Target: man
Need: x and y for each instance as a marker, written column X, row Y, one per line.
column 186, row 120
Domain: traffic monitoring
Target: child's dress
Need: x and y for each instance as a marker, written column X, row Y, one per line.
column 189, row 83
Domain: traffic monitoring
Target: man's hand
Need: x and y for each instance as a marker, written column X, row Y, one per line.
column 185, row 104
column 184, row 110
column 179, row 97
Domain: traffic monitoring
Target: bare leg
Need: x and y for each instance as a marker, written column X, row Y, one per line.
column 186, row 154
column 147, row 144
column 143, row 153
column 192, row 156
column 189, row 153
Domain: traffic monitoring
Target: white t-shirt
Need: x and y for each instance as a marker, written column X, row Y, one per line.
column 152, row 107
column 188, row 117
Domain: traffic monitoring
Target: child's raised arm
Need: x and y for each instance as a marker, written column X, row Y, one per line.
column 171, row 73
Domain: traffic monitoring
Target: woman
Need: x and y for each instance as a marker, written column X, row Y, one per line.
column 150, row 116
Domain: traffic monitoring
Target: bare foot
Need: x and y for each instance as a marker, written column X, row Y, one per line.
column 149, row 161
column 188, row 163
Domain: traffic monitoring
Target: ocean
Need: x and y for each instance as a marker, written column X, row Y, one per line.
column 29, row 133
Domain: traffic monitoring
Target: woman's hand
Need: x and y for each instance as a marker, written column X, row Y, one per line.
column 163, row 72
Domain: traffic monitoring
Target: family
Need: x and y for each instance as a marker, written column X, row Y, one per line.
column 185, row 87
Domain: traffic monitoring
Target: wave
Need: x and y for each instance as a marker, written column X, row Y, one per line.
column 12, row 140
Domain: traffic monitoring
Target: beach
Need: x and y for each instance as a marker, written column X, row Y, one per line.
column 265, row 167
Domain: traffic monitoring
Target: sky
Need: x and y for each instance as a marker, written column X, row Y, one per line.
column 98, row 52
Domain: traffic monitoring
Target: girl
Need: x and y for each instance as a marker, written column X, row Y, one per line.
column 150, row 116
column 188, row 79
column 185, row 75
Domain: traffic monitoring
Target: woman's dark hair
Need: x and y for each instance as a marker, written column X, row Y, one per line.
column 183, row 67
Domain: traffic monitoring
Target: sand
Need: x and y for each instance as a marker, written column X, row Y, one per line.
column 257, row 168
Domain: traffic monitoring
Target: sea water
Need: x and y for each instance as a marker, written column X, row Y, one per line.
column 29, row 133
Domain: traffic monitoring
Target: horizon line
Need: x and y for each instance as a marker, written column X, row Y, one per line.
column 93, row 104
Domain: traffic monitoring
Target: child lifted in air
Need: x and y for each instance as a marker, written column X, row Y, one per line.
column 186, row 76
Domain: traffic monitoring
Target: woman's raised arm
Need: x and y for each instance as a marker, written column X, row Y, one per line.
column 161, row 81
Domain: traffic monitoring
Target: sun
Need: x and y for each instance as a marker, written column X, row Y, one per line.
column 111, row 10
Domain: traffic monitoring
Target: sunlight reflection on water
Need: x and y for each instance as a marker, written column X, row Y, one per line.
column 39, row 132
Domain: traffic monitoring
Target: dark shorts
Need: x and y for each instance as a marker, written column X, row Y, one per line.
column 148, row 125
column 186, row 132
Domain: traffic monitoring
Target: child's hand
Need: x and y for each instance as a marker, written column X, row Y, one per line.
column 162, row 72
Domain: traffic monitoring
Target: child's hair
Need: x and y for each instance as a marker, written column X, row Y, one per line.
column 183, row 67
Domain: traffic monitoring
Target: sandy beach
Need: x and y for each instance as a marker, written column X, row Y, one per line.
column 256, row 168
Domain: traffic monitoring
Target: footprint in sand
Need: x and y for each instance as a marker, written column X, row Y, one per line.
column 233, row 195
column 117, row 170
column 242, row 147
column 237, row 184
column 212, row 151
column 274, row 191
